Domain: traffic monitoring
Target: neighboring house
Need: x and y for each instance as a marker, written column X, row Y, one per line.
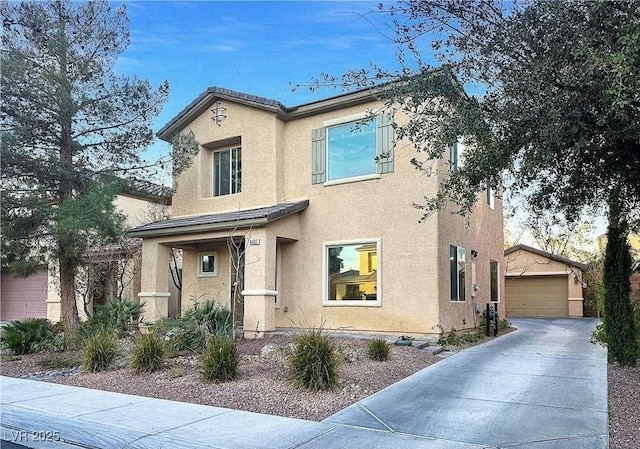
column 320, row 201
column 38, row 296
column 541, row 284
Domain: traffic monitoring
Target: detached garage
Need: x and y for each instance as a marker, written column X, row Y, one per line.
column 540, row 284
column 23, row 297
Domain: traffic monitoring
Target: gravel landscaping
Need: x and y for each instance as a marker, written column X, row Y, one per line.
column 263, row 385
column 624, row 407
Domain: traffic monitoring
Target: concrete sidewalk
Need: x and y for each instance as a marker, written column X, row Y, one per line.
column 541, row 387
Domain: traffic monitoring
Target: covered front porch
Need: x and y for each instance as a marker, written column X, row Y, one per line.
column 230, row 257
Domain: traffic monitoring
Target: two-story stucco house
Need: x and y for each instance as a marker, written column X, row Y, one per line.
column 321, row 201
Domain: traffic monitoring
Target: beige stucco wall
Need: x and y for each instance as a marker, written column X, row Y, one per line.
column 138, row 211
column 482, row 232
column 526, row 263
column 413, row 257
column 257, row 130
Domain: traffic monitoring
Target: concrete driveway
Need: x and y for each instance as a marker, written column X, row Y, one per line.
column 544, row 386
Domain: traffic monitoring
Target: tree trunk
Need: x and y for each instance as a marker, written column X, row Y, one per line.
column 619, row 323
column 68, row 304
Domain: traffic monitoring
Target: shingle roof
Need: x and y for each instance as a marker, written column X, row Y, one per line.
column 540, row 252
column 226, row 220
column 206, row 98
column 146, row 189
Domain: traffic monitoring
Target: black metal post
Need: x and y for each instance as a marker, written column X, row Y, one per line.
column 487, row 319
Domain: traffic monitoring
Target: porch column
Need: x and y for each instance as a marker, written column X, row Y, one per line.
column 155, row 281
column 259, row 283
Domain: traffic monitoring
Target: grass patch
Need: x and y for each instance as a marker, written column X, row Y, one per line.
column 220, row 360
column 148, row 354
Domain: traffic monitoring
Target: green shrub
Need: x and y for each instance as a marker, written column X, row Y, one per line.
column 313, row 362
column 179, row 334
column 121, row 314
column 378, row 349
column 215, row 319
column 599, row 335
column 450, row 340
column 194, row 327
column 99, row 351
column 220, row 360
column 25, row 336
column 148, row 354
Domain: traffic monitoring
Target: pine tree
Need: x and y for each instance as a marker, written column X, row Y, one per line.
column 69, row 124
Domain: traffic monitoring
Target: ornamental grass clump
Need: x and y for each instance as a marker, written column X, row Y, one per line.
column 99, row 351
column 378, row 349
column 220, row 360
column 148, row 354
column 314, row 361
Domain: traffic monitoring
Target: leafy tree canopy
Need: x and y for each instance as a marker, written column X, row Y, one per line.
column 559, row 112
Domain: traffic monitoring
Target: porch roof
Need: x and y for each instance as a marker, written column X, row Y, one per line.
column 216, row 222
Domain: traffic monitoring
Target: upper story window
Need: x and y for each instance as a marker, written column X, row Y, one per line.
column 457, row 155
column 458, row 276
column 351, row 150
column 227, row 171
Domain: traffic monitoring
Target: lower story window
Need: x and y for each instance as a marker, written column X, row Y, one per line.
column 207, row 264
column 351, row 272
column 495, row 283
column 457, row 268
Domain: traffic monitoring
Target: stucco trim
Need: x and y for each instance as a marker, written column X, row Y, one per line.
column 154, row 294
column 259, row 293
column 537, row 273
column 575, row 299
column 352, row 179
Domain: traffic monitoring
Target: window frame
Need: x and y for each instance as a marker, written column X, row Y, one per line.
column 351, row 120
column 454, row 261
column 325, row 275
column 497, row 263
column 213, row 273
column 214, row 175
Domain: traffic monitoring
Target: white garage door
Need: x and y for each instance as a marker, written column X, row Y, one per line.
column 23, row 297
column 537, row 296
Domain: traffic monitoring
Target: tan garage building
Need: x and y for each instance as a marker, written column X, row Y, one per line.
column 541, row 284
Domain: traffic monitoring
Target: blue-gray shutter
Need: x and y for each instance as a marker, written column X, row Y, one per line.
column 318, row 156
column 385, row 143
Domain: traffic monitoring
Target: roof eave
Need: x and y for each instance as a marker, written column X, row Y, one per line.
column 196, row 229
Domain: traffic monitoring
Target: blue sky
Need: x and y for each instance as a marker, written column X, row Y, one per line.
column 258, row 48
